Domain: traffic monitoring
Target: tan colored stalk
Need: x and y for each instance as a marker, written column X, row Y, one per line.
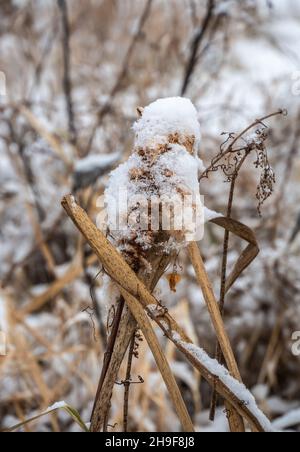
column 138, row 297
column 235, row 420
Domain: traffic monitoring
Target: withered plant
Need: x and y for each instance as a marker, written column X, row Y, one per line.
column 141, row 264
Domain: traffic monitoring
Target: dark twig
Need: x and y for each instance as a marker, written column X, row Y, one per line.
column 91, row 282
column 110, row 347
column 127, row 384
column 214, row 166
column 46, row 52
column 196, row 45
column 67, row 82
column 218, row 353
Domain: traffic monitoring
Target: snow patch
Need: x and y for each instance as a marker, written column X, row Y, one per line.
column 56, row 406
column 165, row 117
column 290, row 419
column 237, row 388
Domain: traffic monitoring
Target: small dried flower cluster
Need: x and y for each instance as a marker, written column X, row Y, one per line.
column 231, row 157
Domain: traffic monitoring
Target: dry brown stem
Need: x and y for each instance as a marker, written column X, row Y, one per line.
column 139, row 298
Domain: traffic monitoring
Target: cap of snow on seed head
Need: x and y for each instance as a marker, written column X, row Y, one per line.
column 162, row 207
column 173, row 119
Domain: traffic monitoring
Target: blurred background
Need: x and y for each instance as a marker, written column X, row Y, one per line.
column 72, row 75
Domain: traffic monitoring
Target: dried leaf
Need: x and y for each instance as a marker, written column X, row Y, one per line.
column 173, row 279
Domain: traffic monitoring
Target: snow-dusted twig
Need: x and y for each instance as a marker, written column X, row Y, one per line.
column 289, row 420
column 190, row 67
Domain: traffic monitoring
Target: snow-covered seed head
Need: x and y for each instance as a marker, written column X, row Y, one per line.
column 170, row 120
column 164, row 166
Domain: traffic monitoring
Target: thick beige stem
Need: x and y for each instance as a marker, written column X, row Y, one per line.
column 213, row 309
column 235, row 421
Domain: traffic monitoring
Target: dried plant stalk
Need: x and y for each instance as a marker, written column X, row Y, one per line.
column 235, row 420
column 111, row 365
column 139, row 298
column 213, row 308
column 161, row 361
column 218, row 353
column 127, row 328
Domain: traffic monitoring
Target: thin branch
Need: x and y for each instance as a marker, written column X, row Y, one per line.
column 67, row 81
column 127, row 384
column 218, row 353
column 109, row 351
column 196, row 44
column 230, row 147
column 53, row 141
column 91, row 283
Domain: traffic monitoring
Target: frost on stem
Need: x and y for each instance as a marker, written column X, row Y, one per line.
column 164, row 165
